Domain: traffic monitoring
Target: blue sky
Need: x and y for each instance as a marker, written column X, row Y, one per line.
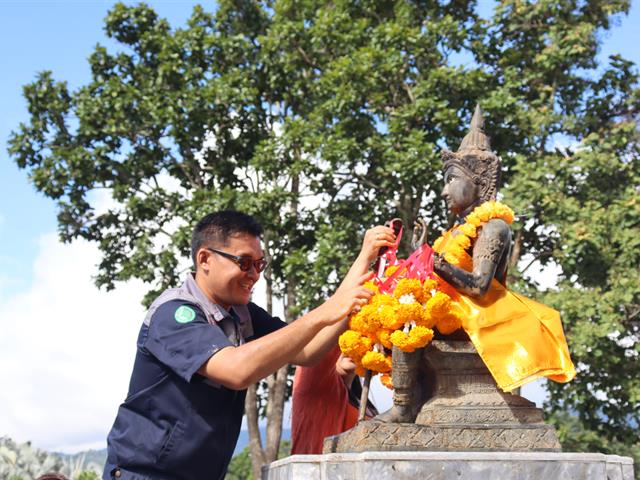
column 60, row 334
column 36, row 36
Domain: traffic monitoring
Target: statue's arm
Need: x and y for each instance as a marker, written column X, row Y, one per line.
column 493, row 240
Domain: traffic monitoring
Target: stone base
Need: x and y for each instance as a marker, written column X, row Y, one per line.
column 448, row 465
column 377, row 436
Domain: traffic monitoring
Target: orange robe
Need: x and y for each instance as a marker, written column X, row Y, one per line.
column 320, row 405
column 518, row 338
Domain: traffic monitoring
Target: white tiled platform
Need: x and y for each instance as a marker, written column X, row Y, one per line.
column 451, row 465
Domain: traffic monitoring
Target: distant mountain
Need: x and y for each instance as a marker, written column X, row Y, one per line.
column 22, row 460
column 99, row 457
column 87, row 460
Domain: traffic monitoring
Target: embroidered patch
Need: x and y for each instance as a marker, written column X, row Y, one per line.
column 184, row 314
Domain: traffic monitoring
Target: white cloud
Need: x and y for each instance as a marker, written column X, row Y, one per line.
column 66, row 349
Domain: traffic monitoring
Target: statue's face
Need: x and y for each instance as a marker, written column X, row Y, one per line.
column 460, row 192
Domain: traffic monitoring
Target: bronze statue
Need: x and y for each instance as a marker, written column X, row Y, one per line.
column 471, row 177
column 454, row 394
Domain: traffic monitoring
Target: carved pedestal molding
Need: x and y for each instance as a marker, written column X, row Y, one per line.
column 466, row 412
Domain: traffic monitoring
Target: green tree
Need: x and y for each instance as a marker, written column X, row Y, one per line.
column 241, row 467
column 580, row 203
column 323, row 119
column 87, row 475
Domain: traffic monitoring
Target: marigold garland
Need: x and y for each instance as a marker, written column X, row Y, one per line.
column 408, row 286
column 460, row 238
column 376, row 362
column 406, row 317
column 385, row 379
column 418, row 337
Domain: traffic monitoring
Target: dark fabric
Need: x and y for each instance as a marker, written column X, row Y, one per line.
column 174, row 423
column 183, row 347
column 263, row 323
column 355, row 394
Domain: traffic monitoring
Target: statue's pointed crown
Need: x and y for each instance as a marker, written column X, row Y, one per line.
column 476, row 139
column 476, row 159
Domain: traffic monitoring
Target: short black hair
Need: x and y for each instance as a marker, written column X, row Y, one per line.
column 217, row 227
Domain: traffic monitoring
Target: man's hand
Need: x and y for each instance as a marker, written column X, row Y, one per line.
column 347, row 299
column 374, row 239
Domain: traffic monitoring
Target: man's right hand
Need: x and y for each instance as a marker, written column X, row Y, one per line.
column 345, row 301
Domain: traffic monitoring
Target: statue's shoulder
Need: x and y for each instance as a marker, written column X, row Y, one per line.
column 496, row 228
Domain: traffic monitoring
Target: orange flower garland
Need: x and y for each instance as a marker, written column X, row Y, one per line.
column 463, row 235
column 406, row 317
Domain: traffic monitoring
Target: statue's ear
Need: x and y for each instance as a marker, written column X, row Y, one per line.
column 484, row 185
column 480, row 181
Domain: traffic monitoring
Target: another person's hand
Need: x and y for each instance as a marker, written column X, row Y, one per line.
column 346, row 369
column 374, row 239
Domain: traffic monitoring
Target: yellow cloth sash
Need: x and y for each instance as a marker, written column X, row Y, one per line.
column 518, row 339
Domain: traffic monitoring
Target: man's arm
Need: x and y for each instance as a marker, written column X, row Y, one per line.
column 239, row 367
column 326, row 338
column 374, row 239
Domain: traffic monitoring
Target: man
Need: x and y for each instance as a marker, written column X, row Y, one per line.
column 202, row 344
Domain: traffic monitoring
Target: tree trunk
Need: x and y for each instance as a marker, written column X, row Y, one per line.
column 255, row 442
column 258, row 455
column 275, row 413
column 276, row 383
column 517, row 250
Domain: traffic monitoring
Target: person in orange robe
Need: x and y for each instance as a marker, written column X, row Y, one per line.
column 326, row 401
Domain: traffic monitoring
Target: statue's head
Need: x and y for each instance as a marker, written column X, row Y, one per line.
column 474, row 165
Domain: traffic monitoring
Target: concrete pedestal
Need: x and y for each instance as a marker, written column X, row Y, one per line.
column 451, row 465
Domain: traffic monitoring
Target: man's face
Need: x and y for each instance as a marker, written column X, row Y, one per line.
column 224, row 281
column 460, row 192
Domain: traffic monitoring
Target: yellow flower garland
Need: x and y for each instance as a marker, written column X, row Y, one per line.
column 461, row 237
column 406, row 317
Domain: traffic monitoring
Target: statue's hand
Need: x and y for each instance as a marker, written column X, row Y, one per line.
column 438, row 262
column 420, row 231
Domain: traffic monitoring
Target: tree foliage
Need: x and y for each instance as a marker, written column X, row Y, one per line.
column 325, row 118
column 88, row 475
column 240, row 466
column 575, row 437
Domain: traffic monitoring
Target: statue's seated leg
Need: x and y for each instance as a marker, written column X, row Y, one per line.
column 407, row 393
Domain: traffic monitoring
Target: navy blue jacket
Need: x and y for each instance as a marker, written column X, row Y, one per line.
column 174, row 423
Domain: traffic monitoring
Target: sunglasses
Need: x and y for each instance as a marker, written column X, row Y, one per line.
column 245, row 263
